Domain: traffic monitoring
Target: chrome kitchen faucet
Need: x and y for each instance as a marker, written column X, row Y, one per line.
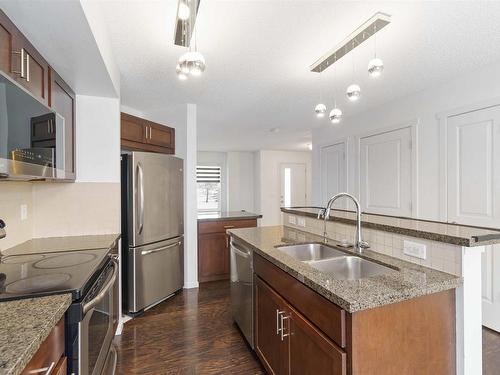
column 359, row 244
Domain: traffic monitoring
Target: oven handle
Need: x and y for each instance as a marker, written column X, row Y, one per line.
column 104, row 290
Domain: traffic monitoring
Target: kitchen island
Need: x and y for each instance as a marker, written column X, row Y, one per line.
column 213, row 241
column 381, row 324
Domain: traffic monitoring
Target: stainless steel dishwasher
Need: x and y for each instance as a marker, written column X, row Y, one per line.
column 242, row 288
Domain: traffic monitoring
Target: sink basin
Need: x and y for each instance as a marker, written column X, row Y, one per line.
column 311, row 252
column 350, row 268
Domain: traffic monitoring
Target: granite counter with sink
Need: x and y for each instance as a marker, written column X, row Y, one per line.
column 406, row 281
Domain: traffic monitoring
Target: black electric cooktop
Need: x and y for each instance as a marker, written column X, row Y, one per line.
column 35, row 275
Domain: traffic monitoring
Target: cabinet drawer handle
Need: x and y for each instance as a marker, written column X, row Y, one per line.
column 228, row 226
column 47, row 370
column 282, row 331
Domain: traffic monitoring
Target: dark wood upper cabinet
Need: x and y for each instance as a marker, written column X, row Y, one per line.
column 138, row 134
column 5, row 45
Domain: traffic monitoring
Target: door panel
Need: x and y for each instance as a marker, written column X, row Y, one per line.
column 158, row 208
column 311, row 352
column 5, row 49
column 132, row 128
column 272, row 351
column 386, row 173
column 213, row 257
column 333, row 173
column 157, row 272
column 160, row 135
column 293, row 185
column 473, row 145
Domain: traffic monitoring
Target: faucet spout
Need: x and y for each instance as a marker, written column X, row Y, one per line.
column 359, row 243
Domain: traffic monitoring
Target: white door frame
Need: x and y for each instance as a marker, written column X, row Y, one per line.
column 413, row 125
column 442, row 118
column 345, row 142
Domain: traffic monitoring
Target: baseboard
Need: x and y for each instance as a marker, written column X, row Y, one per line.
column 191, row 284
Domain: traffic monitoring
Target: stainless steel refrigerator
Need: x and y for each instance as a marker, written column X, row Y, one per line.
column 152, row 229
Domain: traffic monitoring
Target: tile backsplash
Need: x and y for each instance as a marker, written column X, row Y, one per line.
column 439, row 256
column 12, row 196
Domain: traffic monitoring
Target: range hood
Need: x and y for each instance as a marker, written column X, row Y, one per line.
column 34, row 141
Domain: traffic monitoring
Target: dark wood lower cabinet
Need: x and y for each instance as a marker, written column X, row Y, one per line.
column 213, row 247
column 287, row 343
column 416, row 336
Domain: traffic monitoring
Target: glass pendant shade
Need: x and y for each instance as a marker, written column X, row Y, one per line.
column 320, row 110
column 192, row 63
column 335, row 115
column 375, row 67
column 353, row 92
column 180, row 74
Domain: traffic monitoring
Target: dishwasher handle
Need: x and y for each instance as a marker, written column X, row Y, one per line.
column 240, row 252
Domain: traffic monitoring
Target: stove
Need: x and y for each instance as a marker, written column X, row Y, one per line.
column 34, row 275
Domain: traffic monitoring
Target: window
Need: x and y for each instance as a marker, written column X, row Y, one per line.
column 208, row 180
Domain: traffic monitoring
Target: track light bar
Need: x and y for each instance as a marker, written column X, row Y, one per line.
column 358, row 36
column 184, row 27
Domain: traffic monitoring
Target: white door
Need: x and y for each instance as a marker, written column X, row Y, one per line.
column 386, row 173
column 293, row 185
column 333, row 173
column 474, row 191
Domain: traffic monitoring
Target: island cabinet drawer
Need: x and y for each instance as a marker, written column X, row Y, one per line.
column 223, row 225
column 325, row 315
column 49, row 358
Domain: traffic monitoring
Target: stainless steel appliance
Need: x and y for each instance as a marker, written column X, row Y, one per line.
column 91, row 320
column 242, row 289
column 35, row 141
column 152, row 229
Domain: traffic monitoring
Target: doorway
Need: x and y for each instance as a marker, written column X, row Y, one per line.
column 293, row 185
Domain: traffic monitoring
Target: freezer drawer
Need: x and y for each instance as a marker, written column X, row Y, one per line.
column 242, row 289
column 155, row 272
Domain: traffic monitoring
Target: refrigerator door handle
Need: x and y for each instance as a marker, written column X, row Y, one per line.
column 140, row 192
column 146, row 252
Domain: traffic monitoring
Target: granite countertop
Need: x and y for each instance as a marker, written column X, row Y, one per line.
column 24, row 325
column 455, row 234
column 70, row 243
column 227, row 215
column 408, row 281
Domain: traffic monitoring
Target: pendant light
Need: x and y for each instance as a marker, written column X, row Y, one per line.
column 191, row 63
column 336, row 113
column 353, row 92
column 375, row 65
column 320, row 108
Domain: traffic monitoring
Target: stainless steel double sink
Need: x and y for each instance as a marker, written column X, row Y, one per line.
column 336, row 263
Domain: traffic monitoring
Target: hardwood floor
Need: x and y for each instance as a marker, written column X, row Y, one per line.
column 491, row 352
column 192, row 333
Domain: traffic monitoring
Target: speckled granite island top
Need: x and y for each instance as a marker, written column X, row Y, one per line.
column 24, row 325
column 455, row 234
column 408, row 281
column 227, row 215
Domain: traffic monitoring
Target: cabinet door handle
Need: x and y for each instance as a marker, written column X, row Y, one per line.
column 22, row 53
column 279, row 322
column 282, row 331
column 27, row 67
column 150, row 131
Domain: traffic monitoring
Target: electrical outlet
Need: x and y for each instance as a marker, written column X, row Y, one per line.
column 415, row 249
column 292, row 219
column 301, row 221
column 24, row 212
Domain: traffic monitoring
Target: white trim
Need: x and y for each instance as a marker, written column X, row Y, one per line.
column 414, row 125
column 191, row 284
column 442, row 118
column 321, row 147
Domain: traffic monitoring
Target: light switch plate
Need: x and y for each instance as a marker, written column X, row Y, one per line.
column 292, row 219
column 301, row 221
column 415, row 249
column 24, row 212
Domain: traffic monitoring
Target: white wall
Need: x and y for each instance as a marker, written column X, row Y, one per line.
column 268, row 181
column 240, row 181
column 422, row 108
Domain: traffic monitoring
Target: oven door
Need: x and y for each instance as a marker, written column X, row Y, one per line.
column 96, row 329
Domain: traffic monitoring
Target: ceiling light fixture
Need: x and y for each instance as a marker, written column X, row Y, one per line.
column 353, row 91
column 187, row 10
column 375, row 65
column 320, row 108
column 336, row 113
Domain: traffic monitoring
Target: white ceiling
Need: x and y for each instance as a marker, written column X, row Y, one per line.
column 258, row 54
